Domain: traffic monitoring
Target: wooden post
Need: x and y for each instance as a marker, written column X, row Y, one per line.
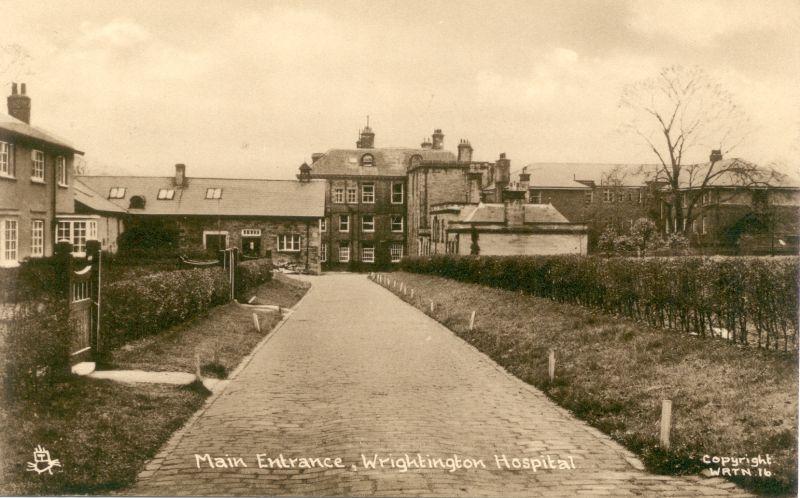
column 666, row 422
column 431, row 307
column 197, row 367
column 412, row 293
column 551, row 364
column 472, row 321
column 255, row 322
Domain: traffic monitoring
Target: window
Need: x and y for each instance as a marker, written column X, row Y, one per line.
column 7, row 159
column 116, row 193
column 214, row 193
column 251, row 232
column 536, row 196
column 136, row 202
column 37, row 174
column 9, row 239
column 368, row 223
column 166, row 194
column 323, row 225
column 352, row 195
column 323, row 253
column 694, row 226
column 344, row 252
column 703, row 228
column 367, row 160
column 397, row 223
column 641, row 196
column 607, row 197
column 620, row 196
column 397, row 193
column 396, row 252
column 368, row 193
column 215, row 241
column 588, row 197
column 37, row 238
column 338, row 195
column 289, row 243
column 344, row 222
column 367, row 254
column 76, row 232
column 706, row 198
column 415, row 160
column 61, row 171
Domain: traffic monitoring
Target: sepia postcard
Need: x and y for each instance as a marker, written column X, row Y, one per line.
column 399, row 248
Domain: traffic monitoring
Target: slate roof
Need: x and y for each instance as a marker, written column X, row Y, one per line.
column 21, row 128
column 495, row 213
column 92, row 199
column 566, row 175
column 240, row 197
column 387, row 161
column 738, row 172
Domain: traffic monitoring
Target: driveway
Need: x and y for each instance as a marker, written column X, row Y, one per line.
column 356, row 379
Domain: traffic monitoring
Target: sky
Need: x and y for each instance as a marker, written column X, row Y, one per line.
column 253, row 88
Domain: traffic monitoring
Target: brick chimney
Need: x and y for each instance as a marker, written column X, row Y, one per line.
column 19, row 104
column 180, row 175
column 524, row 178
column 438, row 139
column 513, row 201
column 366, row 139
column 464, row 151
column 305, row 173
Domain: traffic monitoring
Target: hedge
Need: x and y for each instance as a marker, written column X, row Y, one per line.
column 750, row 300
column 146, row 305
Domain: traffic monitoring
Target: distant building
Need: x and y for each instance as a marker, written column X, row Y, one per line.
column 264, row 218
column 36, row 188
column 366, row 194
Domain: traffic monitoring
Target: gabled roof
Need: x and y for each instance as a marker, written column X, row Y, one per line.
column 568, row 175
column 21, row 128
column 496, row 213
column 239, row 197
column 93, row 200
column 386, row 161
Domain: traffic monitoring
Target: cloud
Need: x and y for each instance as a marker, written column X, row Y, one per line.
column 705, row 22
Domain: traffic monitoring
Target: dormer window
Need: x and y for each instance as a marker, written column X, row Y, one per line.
column 214, row 193
column 415, row 160
column 137, row 202
column 166, row 194
column 116, row 193
column 367, row 160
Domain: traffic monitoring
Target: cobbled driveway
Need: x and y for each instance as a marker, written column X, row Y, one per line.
column 353, row 373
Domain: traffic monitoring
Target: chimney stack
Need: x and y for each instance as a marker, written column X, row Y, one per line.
column 524, row 179
column 366, row 138
column 502, row 170
column 180, row 175
column 19, row 104
column 716, row 155
column 438, row 139
column 514, row 205
column 464, row 151
column 305, row 173
column 426, row 144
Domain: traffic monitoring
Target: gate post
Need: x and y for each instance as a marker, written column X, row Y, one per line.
column 93, row 255
column 62, row 256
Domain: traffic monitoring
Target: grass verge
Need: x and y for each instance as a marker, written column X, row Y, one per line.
column 727, row 400
column 101, row 433
column 221, row 338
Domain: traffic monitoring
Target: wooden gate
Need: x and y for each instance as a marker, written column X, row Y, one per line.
column 81, row 280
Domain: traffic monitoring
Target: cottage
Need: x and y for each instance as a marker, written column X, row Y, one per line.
column 36, row 188
column 263, row 218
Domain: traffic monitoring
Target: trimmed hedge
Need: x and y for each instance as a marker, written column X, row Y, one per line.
column 751, row 300
column 149, row 304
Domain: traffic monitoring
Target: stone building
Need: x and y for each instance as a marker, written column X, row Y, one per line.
column 36, row 191
column 279, row 219
column 366, row 197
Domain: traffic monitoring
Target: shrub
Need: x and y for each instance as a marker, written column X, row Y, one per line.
column 34, row 345
column 749, row 300
column 251, row 274
column 138, row 307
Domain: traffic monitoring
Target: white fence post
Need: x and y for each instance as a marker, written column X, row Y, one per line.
column 472, row 321
column 551, row 364
column 666, row 422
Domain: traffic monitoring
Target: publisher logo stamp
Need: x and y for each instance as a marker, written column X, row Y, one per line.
column 42, row 462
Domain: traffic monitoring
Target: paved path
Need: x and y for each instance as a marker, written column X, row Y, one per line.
column 354, row 371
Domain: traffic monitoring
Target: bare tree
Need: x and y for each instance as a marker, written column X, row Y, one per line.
column 80, row 166
column 15, row 63
column 681, row 111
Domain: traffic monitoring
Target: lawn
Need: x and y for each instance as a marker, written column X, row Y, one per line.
column 728, row 400
column 101, row 433
column 221, row 338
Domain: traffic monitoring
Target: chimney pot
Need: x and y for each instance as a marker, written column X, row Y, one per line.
column 13, row 88
column 438, row 139
column 22, row 88
column 180, row 175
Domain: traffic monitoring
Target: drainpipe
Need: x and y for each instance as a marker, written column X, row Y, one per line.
column 54, row 222
column 308, row 228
